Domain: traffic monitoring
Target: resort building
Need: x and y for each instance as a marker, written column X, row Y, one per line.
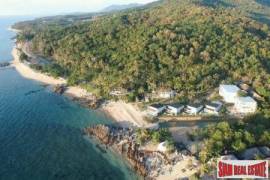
column 213, row 107
column 251, row 154
column 119, row 92
column 153, row 126
column 229, row 93
column 194, row 108
column 245, row 105
column 156, row 109
column 175, row 109
column 168, row 94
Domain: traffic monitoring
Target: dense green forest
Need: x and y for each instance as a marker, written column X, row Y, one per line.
column 190, row 46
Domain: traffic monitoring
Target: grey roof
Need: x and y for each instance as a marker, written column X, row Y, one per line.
column 176, row 105
column 230, row 88
column 195, row 105
column 250, row 154
column 212, row 104
column 157, row 106
column 265, row 150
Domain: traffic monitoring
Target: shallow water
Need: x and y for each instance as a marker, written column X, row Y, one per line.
column 40, row 132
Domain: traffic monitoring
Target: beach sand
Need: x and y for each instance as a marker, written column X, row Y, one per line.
column 126, row 114
column 123, row 113
column 29, row 73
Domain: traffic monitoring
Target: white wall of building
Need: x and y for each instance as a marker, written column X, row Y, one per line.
column 245, row 105
column 229, row 93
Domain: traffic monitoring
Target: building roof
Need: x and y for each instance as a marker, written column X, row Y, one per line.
column 157, row 106
column 196, row 105
column 176, row 105
column 214, row 104
column 162, row 147
column 265, row 150
column 250, row 154
column 246, row 99
column 230, row 88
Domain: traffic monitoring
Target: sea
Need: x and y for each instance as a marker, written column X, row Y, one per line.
column 41, row 132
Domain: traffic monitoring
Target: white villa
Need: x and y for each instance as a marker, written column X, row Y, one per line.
column 166, row 94
column 175, row 109
column 156, row 109
column 119, row 92
column 194, row 108
column 229, row 93
column 213, row 107
column 245, row 105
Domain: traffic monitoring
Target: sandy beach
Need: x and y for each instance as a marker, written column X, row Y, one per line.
column 29, row 73
column 125, row 114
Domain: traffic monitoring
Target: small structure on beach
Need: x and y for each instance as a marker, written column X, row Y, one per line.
column 229, row 93
column 194, row 108
column 156, row 109
column 245, row 105
column 175, row 108
column 153, row 126
column 167, row 94
column 164, row 94
column 119, row 92
column 213, row 107
column 162, row 147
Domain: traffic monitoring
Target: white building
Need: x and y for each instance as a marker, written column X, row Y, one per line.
column 162, row 147
column 166, row 94
column 153, row 126
column 229, row 93
column 194, row 108
column 245, row 105
column 156, row 109
column 175, row 109
column 213, row 107
column 119, row 92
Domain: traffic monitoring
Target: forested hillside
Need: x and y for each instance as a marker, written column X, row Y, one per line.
column 185, row 45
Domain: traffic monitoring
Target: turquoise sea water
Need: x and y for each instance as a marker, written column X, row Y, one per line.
column 40, row 133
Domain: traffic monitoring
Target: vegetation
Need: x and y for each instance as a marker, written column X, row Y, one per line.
column 179, row 45
column 190, row 46
column 233, row 138
column 23, row 57
column 54, row 70
column 156, row 136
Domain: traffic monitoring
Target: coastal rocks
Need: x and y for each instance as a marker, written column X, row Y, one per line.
column 4, row 64
column 88, row 101
column 147, row 162
column 121, row 140
column 59, row 89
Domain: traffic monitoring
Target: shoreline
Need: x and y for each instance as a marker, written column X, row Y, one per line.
column 146, row 160
column 124, row 114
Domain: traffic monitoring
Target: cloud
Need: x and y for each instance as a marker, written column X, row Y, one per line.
column 30, row 7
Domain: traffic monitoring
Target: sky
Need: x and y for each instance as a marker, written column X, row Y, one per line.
column 51, row 7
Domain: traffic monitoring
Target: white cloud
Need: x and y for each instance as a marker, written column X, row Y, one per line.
column 27, row 7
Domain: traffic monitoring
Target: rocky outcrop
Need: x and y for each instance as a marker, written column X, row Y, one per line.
column 59, row 89
column 121, row 140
